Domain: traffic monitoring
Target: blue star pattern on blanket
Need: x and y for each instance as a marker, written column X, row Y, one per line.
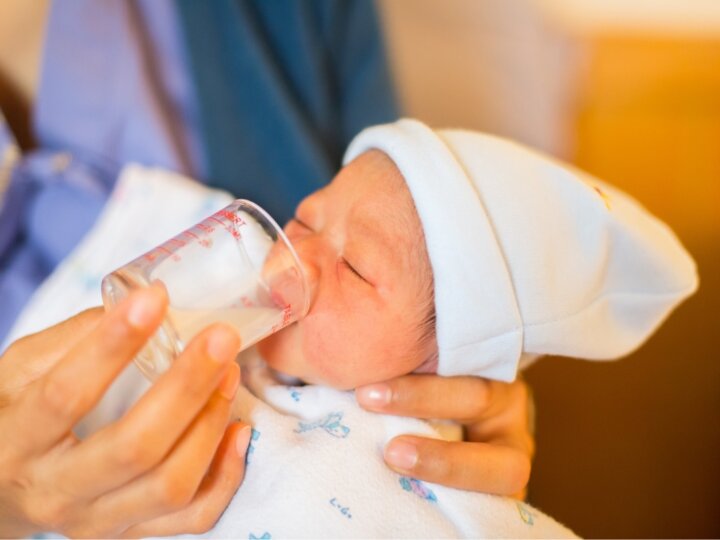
column 418, row 488
column 254, row 436
column 266, row 536
column 525, row 514
column 332, row 424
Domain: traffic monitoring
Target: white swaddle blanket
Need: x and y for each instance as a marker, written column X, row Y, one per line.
column 315, row 466
column 315, row 470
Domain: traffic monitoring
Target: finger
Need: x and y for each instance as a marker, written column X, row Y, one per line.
column 78, row 381
column 173, row 484
column 511, row 422
column 143, row 437
column 430, row 396
column 31, row 356
column 225, row 475
column 489, row 468
column 56, row 340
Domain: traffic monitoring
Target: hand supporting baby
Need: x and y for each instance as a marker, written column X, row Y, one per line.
column 497, row 454
column 170, row 465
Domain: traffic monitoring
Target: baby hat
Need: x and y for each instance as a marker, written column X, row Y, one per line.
column 530, row 256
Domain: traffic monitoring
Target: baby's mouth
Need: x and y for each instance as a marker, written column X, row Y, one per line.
column 287, row 283
column 287, row 292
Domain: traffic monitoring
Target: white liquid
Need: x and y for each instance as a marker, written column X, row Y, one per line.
column 252, row 323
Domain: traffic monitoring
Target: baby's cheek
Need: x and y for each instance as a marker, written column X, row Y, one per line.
column 330, row 351
column 346, row 351
column 282, row 351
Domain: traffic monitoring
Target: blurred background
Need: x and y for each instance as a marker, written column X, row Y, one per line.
column 629, row 91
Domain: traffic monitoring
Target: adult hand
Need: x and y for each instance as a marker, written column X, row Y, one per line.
column 170, row 465
column 497, row 454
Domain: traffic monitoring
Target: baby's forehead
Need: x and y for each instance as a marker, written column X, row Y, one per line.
column 388, row 217
column 382, row 204
column 379, row 194
column 374, row 179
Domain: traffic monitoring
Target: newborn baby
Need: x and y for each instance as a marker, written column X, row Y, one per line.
column 446, row 252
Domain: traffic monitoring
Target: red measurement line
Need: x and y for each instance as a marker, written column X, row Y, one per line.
column 227, row 226
column 177, row 241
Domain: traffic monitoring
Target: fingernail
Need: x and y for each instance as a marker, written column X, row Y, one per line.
column 374, row 395
column 145, row 308
column 230, row 382
column 223, row 344
column 401, row 455
column 242, row 440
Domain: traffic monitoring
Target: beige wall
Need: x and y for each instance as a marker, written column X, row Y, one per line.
column 688, row 17
column 454, row 59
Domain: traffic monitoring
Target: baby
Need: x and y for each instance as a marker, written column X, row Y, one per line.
column 447, row 252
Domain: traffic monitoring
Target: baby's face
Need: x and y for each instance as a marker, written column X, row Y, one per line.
column 362, row 247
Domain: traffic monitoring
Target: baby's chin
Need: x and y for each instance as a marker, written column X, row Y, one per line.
column 284, row 353
column 277, row 353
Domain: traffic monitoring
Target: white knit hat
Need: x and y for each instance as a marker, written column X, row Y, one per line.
column 530, row 255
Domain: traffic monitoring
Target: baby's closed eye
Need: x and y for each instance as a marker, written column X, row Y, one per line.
column 344, row 263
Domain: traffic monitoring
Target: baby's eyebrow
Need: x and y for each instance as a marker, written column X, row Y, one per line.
column 383, row 242
column 376, row 233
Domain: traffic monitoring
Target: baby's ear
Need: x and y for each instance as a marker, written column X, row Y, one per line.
column 428, row 366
